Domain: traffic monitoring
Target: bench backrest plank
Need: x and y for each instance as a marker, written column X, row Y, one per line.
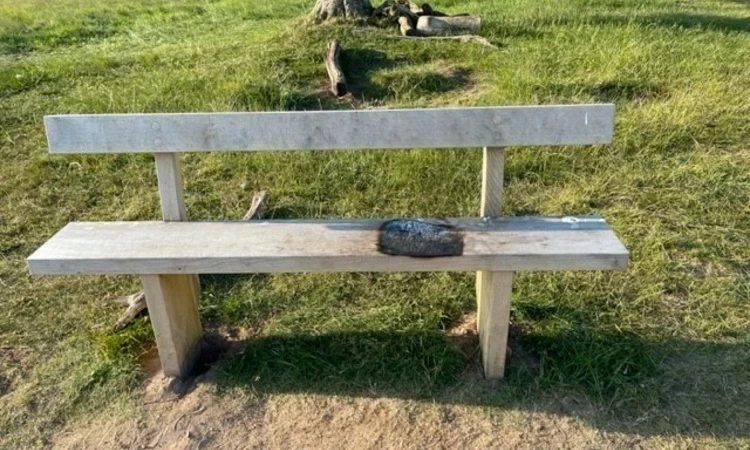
column 332, row 130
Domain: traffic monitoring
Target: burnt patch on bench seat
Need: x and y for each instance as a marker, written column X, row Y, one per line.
column 420, row 238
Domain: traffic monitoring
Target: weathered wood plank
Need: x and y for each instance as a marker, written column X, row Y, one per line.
column 329, row 130
column 493, row 172
column 171, row 195
column 493, row 168
column 493, row 288
column 493, row 322
column 174, row 317
column 513, row 243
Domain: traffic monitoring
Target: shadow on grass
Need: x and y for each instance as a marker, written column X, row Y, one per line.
column 608, row 91
column 699, row 21
column 669, row 20
column 271, row 96
column 650, row 388
column 361, row 65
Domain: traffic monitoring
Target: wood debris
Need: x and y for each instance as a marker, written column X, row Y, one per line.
column 136, row 305
column 423, row 20
column 256, row 206
column 333, row 66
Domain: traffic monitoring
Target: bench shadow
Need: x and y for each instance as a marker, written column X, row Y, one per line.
column 681, row 387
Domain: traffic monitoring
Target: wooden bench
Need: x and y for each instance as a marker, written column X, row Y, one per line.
column 169, row 255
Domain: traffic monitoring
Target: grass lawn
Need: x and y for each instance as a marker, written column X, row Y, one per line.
column 661, row 350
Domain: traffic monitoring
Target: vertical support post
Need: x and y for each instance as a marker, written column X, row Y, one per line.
column 493, row 288
column 174, row 317
column 173, row 299
column 172, row 197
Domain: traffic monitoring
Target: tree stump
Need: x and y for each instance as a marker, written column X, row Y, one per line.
column 345, row 9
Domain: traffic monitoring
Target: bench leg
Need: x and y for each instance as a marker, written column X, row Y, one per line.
column 173, row 308
column 493, row 320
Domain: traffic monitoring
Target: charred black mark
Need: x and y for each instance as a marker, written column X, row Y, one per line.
column 420, row 238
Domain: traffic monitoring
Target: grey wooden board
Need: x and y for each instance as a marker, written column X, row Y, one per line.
column 404, row 128
column 509, row 243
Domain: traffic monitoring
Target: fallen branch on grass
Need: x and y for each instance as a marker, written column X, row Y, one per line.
column 136, row 305
column 256, row 206
column 424, row 20
column 333, row 66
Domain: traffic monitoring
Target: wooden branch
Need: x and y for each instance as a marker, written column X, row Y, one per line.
column 401, row 11
column 407, row 26
column 136, row 305
column 333, row 66
column 256, row 207
column 433, row 26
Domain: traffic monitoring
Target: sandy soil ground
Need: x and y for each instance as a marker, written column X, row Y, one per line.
column 192, row 415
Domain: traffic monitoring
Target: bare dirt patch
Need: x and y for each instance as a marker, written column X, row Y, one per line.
column 203, row 419
column 192, row 415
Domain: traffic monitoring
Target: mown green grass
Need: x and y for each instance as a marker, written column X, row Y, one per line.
column 660, row 349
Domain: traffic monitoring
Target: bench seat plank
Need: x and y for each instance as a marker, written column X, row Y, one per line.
column 144, row 248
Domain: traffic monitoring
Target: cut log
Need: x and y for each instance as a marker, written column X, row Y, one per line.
column 393, row 9
column 433, row 26
column 335, row 74
column 407, row 27
column 402, row 10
